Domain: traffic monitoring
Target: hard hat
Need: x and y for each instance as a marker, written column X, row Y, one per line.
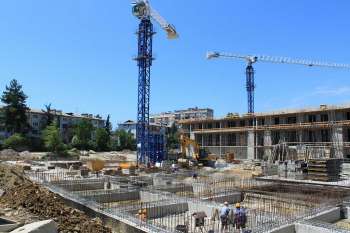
column 144, row 211
column 238, row 205
column 226, row 203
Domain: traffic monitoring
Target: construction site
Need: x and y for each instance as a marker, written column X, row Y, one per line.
column 279, row 172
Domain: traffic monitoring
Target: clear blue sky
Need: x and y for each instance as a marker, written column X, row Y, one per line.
column 77, row 54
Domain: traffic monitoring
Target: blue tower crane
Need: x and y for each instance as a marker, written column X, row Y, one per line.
column 251, row 59
column 143, row 11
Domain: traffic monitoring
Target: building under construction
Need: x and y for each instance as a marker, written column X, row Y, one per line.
column 312, row 133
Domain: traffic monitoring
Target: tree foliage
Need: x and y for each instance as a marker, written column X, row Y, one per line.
column 82, row 138
column 123, row 140
column 52, row 139
column 108, row 126
column 49, row 117
column 15, row 108
column 173, row 137
column 102, row 139
column 16, row 142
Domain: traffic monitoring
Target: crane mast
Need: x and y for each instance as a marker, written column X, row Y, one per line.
column 144, row 12
column 251, row 59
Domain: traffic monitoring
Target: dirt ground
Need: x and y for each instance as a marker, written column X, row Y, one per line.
column 27, row 202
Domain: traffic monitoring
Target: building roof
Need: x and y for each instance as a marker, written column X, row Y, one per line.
column 60, row 113
column 321, row 108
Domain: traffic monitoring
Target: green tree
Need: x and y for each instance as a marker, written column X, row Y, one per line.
column 102, row 139
column 15, row 108
column 17, row 142
column 52, row 139
column 108, row 125
column 82, row 138
column 173, row 137
column 49, row 117
column 124, row 140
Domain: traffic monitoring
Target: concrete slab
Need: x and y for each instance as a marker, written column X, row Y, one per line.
column 47, row 226
column 7, row 225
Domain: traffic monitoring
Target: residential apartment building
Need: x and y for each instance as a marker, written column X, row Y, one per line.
column 130, row 126
column 325, row 129
column 37, row 122
column 169, row 118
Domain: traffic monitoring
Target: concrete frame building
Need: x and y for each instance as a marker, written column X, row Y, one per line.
column 254, row 136
column 169, row 118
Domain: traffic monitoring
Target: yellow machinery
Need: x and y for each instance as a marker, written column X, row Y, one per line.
column 190, row 150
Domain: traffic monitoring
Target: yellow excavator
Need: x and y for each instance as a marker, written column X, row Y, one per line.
column 191, row 153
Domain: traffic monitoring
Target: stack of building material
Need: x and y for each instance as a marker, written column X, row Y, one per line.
column 325, row 169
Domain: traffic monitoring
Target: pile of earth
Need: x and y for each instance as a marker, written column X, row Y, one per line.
column 22, row 193
column 10, row 177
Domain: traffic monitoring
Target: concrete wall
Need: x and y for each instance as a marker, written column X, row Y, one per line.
column 150, row 197
column 176, row 189
column 230, row 198
column 305, row 228
column 284, row 229
column 329, row 216
column 164, row 210
column 115, row 197
column 83, row 186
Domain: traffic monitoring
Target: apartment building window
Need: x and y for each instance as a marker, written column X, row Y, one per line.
column 231, row 124
column 292, row 120
column 242, row 123
column 324, row 117
column 276, row 120
column 312, row 118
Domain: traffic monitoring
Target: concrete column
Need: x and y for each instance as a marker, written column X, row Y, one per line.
column 192, row 133
column 250, row 144
column 267, row 143
column 337, row 139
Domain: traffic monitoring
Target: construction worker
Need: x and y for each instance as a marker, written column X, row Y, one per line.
column 240, row 217
column 225, row 210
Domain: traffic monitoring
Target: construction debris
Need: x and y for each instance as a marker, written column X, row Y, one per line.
column 21, row 193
